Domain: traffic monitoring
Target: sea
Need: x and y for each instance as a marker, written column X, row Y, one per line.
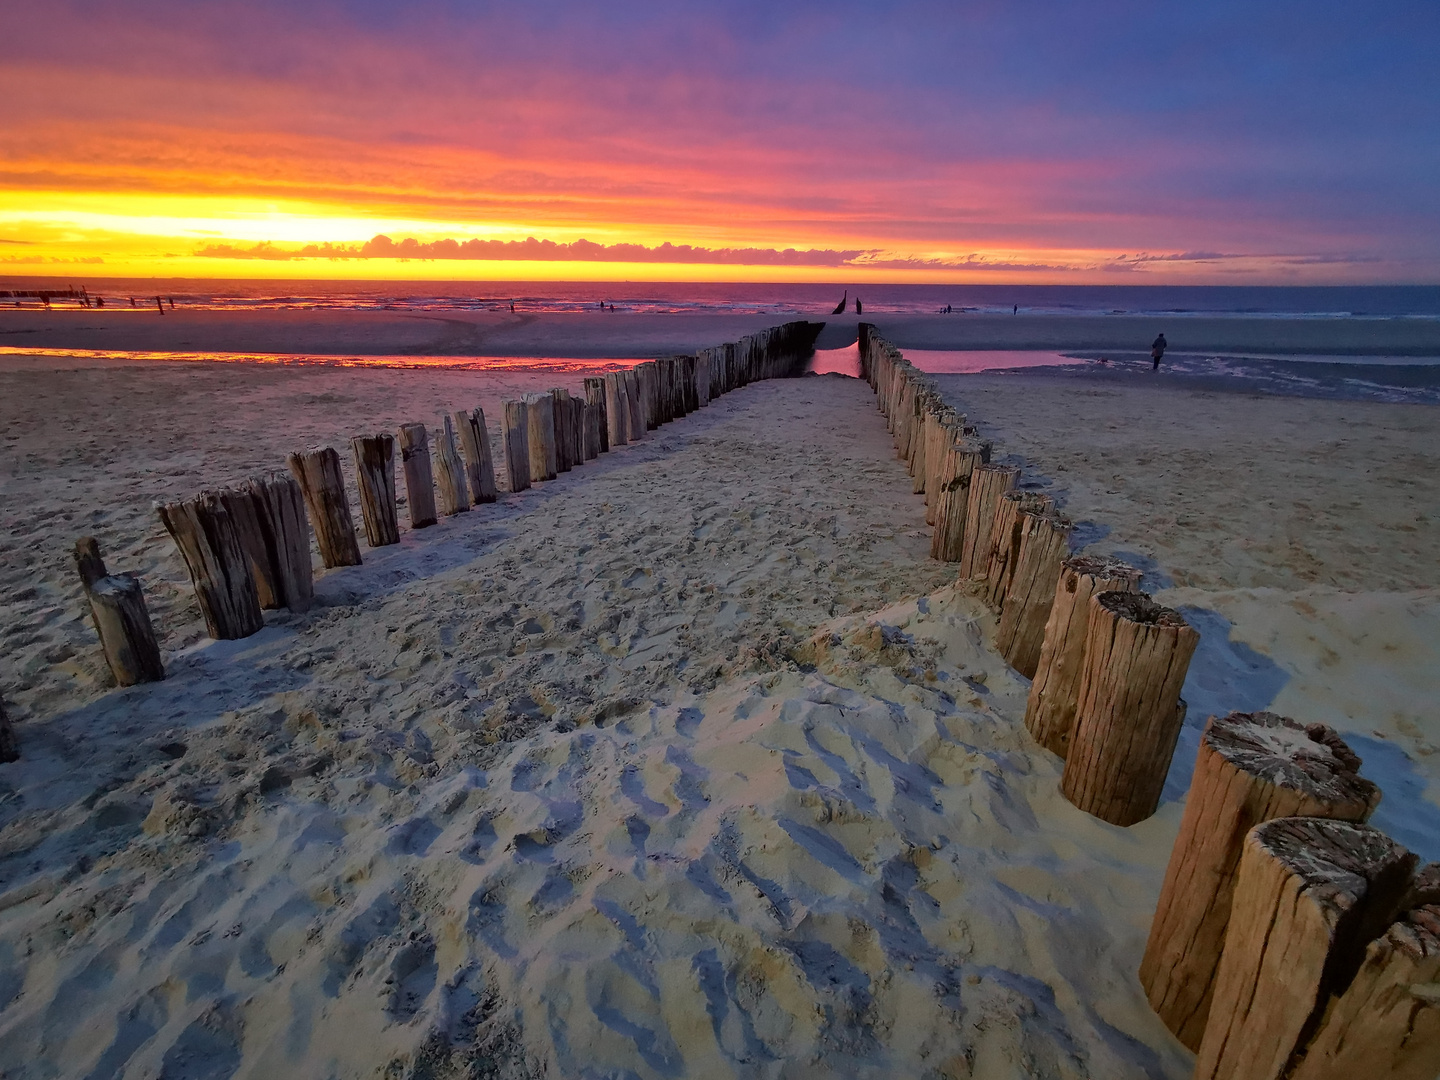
column 1379, row 378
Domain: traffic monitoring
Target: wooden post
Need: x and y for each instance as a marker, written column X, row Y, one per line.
column 1050, row 710
column 117, row 607
column 279, row 508
column 375, row 472
column 419, row 479
column 454, row 490
column 646, row 373
column 9, row 744
column 1387, row 1022
column 635, row 395
column 1044, row 543
column 479, row 465
column 323, row 484
column 595, row 398
column 576, row 408
column 1310, row 896
column 591, row 415
column 219, row 568
column 565, row 457
column 952, row 492
column 240, row 506
column 616, row 409
column 1250, row 768
column 540, row 410
column 987, row 484
column 517, row 445
column 1129, row 712
column 998, row 566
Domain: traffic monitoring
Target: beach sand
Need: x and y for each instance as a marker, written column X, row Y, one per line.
column 690, row 762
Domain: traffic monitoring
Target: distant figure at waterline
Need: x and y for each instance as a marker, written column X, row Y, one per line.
column 857, row 306
column 1157, row 350
column 844, row 300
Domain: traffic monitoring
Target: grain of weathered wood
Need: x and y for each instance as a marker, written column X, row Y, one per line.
column 517, row 445
column 240, row 505
column 219, row 568
column 595, row 398
column 635, row 397
column 1003, row 552
column 1050, row 709
column 474, row 438
column 1387, row 1022
column 279, row 507
column 1250, row 768
column 952, row 492
column 323, row 485
column 453, row 485
column 540, row 411
column 375, row 476
column 987, row 484
column 1044, row 543
column 616, row 410
column 117, row 604
column 1309, row 897
column 1128, row 713
column 419, row 477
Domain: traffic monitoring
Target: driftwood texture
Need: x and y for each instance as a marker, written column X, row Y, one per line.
column 952, row 493
column 1050, row 710
column 419, row 480
column 617, row 410
column 9, row 744
column 1250, row 768
column 323, row 484
column 593, row 430
column 1310, row 896
column 474, row 439
column 635, row 397
column 454, row 488
column 117, row 607
column 278, row 506
column 566, row 456
column 219, row 568
column 595, row 398
column 987, row 484
column 540, row 413
column 517, row 445
column 1004, row 548
column 1387, row 1022
column 375, row 473
column 1128, row 714
column 1030, row 593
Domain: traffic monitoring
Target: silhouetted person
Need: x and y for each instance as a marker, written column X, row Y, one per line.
column 858, row 309
column 1157, row 350
column 172, row 303
column 612, row 307
column 99, row 301
column 1015, row 310
column 512, row 307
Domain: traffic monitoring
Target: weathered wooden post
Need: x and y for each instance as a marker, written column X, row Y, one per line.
column 540, row 409
column 565, row 457
column 1050, row 710
column 1387, row 1022
column 616, row 418
column 593, row 430
column 1129, row 711
column 649, row 392
column 279, row 514
column 577, row 429
column 9, row 744
column 595, row 398
column 635, row 396
column 419, row 479
column 517, row 445
column 454, row 488
column 218, row 565
column 952, row 490
column 323, row 484
column 479, row 465
column 987, row 484
column 375, row 473
column 1005, row 535
column 1251, row 768
column 117, row 607
column 1311, row 895
column 1044, row 542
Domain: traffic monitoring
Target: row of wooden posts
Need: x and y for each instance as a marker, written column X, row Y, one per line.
column 248, row 547
column 1291, row 940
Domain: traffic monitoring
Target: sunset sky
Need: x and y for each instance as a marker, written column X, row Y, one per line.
column 1127, row 142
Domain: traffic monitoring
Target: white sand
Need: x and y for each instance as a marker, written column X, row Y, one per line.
column 543, row 790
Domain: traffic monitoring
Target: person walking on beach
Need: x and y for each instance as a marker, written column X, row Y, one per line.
column 1157, row 350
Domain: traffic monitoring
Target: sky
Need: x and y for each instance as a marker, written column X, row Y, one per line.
column 1104, row 141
